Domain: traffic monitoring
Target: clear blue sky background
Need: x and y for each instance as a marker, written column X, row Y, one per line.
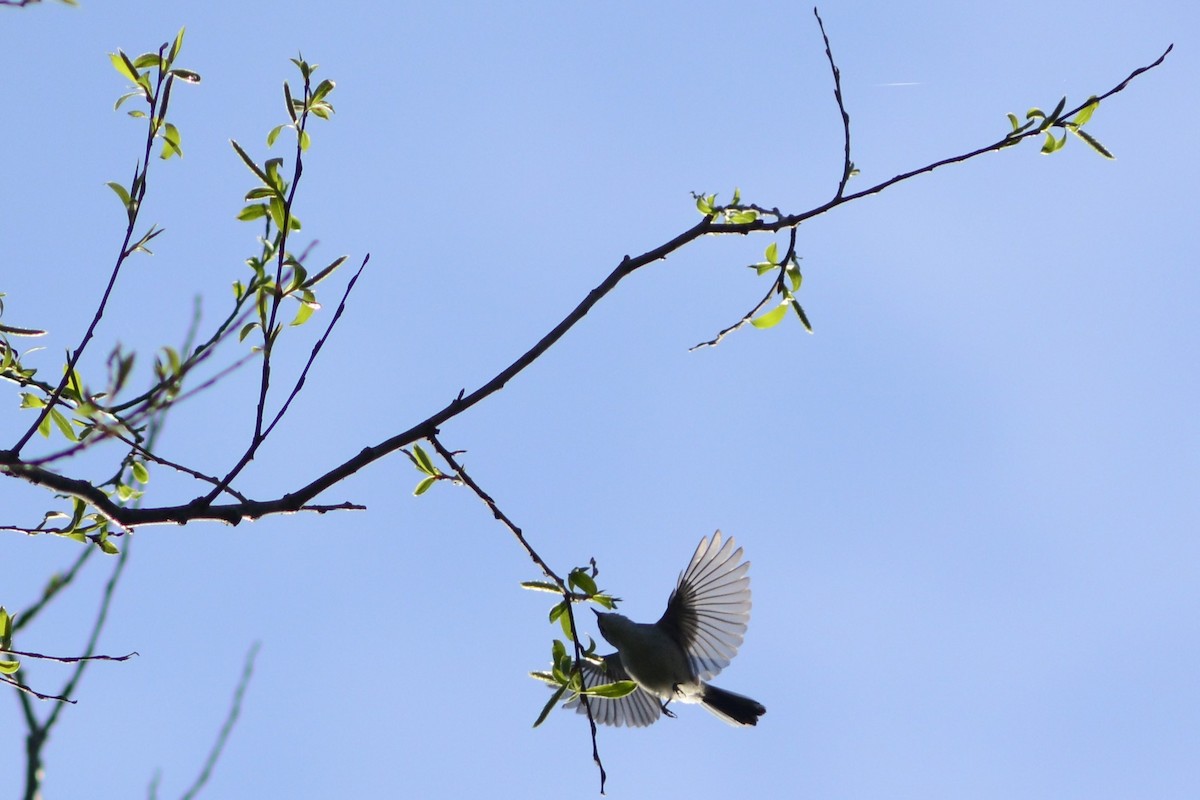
column 970, row 499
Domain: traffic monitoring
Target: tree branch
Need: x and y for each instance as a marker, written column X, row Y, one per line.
column 202, row 508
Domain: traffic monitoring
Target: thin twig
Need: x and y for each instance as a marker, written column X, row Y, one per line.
column 847, row 164
column 27, row 690
column 453, row 463
column 316, row 349
column 66, row 659
column 230, row 719
column 716, row 340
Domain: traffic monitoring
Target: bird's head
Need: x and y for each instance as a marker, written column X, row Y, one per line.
column 608, row 624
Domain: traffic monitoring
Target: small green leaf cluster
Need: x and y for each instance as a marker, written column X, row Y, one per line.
column 1038, row 120
column 425, row 466
column 297, row 284
column 152, row 76
column 314, row 102
column 7, row 665
column 271, row 201
column 85, row 527
column 735, row 212
column 81, row 413
column 787, row 283
column 274, row 191
column 566, row 674
column 581, row 585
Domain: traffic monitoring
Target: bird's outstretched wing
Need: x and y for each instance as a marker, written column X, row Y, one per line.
column 637, row 710
column 710, row 607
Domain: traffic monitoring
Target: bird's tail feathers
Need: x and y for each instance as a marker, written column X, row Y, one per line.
column 733, row 708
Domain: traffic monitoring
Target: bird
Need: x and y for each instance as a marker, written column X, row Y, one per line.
column 672, row 659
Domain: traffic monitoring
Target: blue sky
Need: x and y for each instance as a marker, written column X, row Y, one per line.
column 970, row 499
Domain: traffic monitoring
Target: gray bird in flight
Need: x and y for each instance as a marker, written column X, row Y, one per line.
column 696, row 637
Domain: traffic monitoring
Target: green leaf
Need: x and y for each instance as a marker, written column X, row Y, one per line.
column 186, row 75
column 1051, row 144
column 550, row 704
column 580, row 579
column 304, row 312
column 108, row 547
column 121, row 100
column 545, row 677
column 277, row 210
column 541, row 586
column 5, row 627
column 1016, row 124
column 1091, row 141
column 290, row 103
column 612, row 691
column 1058, row 109
column 763, row 267
column 558, row 610
column 249, row 162
column 772, row 253
column 170, row 142
column 9, row 667
column 565, row 621
column 274, row 179
column 77, row 516
column 274, row 134
column 147, row 60
column 323, row 89
column 140, row 473
column 176, row 46
column 604, row 600
column 252, row 212
column 123, row 65
column 793, row 273
column 1086, row 112
column 803, row 317
column 325, row 273
column 63, row 424
column 246, row 329
column 742, row 217
column 424, row 462
column 769, row 319
column 122, row 193
column 424, row 485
